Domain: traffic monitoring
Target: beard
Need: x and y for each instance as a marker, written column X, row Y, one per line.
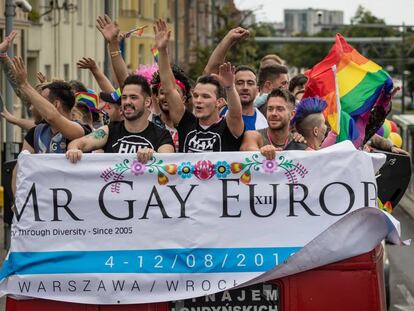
column 282, row 124
column 164, row 108
column 133, row 116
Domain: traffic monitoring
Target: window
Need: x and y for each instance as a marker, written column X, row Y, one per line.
column 66, row 72
column 78, row 74
column 48, row 72
column 155, row 8
column 141, row 56
column 91, row 14
column 89, row 79
column 141, row 7
column 79, row 14
column 66, row 15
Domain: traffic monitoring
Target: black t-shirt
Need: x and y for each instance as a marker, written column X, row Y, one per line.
column 217, row 137
column 293, row 145
column 122, row 141
column 47, row 139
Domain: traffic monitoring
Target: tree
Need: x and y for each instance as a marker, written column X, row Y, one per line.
column 248, row 52
column 307, row 55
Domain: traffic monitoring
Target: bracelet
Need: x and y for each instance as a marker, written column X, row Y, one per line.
column 115, row 53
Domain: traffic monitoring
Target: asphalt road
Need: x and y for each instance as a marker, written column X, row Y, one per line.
column 402, row 266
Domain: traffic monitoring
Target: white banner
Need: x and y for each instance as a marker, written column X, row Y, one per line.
column 110, row 230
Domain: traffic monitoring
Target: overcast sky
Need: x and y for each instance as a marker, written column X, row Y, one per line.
column 392, row 11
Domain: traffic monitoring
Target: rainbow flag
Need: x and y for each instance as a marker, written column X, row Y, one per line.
column 156, row 54
column 352, row 85
column 136, row 31
column 89, row 98
column 116, row 94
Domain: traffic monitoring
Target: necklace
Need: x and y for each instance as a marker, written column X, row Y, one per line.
column 274, row 144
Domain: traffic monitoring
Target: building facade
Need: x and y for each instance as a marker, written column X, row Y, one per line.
column 138, row 13
column 310, row 20
column 63, row 32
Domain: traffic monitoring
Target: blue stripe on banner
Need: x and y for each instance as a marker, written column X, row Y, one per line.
column 201, row 260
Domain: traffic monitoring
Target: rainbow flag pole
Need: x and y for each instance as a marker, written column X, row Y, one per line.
column 156, row 54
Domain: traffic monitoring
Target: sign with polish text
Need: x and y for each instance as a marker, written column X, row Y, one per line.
column 111, row 230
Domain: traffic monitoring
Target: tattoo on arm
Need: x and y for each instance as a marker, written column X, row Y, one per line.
column 9, row 74
column 98, row 134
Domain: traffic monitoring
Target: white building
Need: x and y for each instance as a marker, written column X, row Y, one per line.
column 63, row 32
column 310, row 20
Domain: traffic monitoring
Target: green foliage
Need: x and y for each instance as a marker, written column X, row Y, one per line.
column 307, row 55
column 248, row 52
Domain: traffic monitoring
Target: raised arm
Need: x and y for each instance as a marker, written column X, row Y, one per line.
column 252, row 141
column 94, row 141
column 110, row 31
column 175, row 103
column 89, row 63
column 69, row 129
column 25, row 124
column 233, row 117
column 219, row 54
column 7, row 65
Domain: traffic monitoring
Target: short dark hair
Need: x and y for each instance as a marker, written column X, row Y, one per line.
column 285, row 94
column 138, row 80
column 62, row 91
column 220, row 93
column 179, row 75
column 245, row 68
column 298, row 80
column 271, row 72
column 77, row 86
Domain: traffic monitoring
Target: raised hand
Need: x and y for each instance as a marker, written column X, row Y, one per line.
column 4, row 46
column 226, row 75
column 162, row 34
column 19, row 71
column 8, row 116
column 87, row 63
column 109, row 29
column 237, row 34
column 41, row 77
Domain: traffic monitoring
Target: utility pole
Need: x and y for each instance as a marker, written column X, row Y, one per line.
column 9, row 14
column 107, row 11
column 403, row 60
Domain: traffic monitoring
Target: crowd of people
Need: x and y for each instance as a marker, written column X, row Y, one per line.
column 228, row 108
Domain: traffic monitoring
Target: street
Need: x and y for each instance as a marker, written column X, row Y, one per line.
column 402, row 266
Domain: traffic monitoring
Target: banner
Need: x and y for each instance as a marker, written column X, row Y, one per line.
column 111, row 230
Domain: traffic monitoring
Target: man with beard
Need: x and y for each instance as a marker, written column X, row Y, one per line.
column 135, row 134
column 279, row 109
column 246, row 86
column 203, row 131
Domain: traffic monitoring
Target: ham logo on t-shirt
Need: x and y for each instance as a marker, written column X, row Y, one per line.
column 198, row 141
column 131, row 144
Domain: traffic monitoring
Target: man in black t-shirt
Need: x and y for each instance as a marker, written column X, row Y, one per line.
column 203, row 131
column 135, row 134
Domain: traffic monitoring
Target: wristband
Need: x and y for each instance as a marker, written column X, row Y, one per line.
column 115, row 53
column 3, row 55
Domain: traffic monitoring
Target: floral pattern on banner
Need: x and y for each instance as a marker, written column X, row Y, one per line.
column 205, row 170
